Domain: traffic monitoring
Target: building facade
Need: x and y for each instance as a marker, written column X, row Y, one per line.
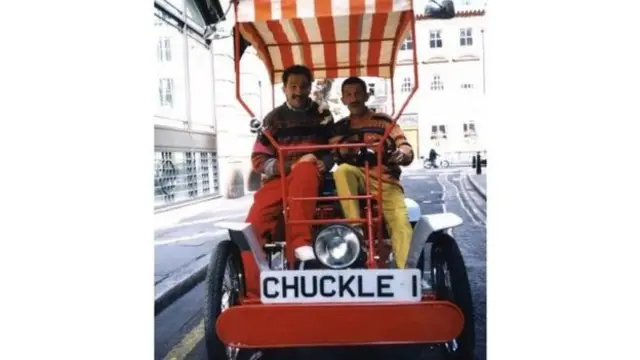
column 448, row 111
column 202, row 138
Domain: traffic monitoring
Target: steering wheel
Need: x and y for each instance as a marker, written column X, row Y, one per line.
column 364, row 154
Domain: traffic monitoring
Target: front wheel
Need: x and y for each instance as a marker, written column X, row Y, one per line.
column 451, row 283
column 444, row 164
column 224, row 285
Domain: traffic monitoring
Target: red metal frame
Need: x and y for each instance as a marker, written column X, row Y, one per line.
column 425, row 321
column 286, row 200
column 428, row 321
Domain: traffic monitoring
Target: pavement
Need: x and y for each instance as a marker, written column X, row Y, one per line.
column 183, row 239
column 183, row 243
column 479, row 182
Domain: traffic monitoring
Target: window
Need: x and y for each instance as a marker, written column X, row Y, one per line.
column 407, row 44
column 466, row 86
column 466, row 38
column 469, row 129
column 438, row 135
column 435, row 39
column 372, row 89
column 164, row 49
column 438, row 132
column 166, row 92
column 436, row 83
column 406, row 85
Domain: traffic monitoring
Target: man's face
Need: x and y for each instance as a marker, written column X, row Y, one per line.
column 297, row 90
column 355, row 97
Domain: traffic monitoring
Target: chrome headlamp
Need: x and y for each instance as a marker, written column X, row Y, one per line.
column 337, row 246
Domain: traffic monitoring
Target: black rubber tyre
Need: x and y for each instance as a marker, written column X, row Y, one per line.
column 444, row 164
column 451, row 283
column 224, row 256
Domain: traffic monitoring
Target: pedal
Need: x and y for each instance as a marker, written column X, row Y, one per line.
column 275, row 257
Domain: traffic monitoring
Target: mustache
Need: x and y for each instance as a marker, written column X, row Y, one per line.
column 356, row 103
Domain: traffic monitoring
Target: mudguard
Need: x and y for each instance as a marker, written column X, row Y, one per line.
column 421, row 238
column 244, row 237
column 413, row 210
column 254, row 258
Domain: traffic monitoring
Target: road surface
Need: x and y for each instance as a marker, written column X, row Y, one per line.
column 179, row 331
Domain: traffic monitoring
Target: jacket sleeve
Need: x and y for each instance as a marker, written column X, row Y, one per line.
column 264, row 159
column 401, row 142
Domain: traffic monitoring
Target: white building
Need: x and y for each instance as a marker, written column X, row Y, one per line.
column 202, row 138
column 448, row 110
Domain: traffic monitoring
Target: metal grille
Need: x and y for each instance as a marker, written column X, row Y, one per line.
column 204, row 171
column 184, row 176
column 192, row 177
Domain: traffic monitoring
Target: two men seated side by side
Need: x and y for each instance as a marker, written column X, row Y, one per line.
column 300, row 121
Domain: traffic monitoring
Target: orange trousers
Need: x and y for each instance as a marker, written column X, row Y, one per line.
column 302, row 181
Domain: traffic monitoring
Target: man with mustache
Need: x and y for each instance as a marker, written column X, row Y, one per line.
column 296, row 122
column 350, row 179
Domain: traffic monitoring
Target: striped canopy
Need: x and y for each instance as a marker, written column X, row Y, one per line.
column 335, row 38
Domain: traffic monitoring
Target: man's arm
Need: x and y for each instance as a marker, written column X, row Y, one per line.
column 403, row 145
column 264, row 159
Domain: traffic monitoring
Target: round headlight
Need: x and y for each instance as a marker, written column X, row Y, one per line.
column 337, row 246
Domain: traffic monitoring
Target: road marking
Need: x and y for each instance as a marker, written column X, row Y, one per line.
column 217, row 232
column 449, row 231
column 473, row 205
column 187, row 344
column 457, row 195
column 241, row 213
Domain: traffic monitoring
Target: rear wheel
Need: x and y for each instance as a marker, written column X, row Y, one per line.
column 224, row 284
column 451, row 283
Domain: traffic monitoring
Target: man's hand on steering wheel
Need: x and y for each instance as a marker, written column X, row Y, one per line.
column 357, row 157
column 399, row 156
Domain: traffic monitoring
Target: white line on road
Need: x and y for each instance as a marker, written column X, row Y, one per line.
column 472, row 203
column 444, row 203
column 208, row 234
column 212, row 220
column 457, row 195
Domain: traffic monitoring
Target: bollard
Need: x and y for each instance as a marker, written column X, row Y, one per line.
column 473, row 162
column 478, row 164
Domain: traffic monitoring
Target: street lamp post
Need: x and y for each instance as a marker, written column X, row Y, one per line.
column 484, row 88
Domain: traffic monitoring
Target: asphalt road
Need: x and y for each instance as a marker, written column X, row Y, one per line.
column 179, row 331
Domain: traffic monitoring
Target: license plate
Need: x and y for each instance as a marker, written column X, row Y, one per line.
column 324, row 286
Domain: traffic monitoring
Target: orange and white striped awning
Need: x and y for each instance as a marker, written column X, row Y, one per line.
column 335, row 38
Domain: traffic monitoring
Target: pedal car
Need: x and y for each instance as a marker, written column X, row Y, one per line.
column 257, row 305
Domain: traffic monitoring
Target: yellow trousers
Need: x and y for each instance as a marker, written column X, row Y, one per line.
column 349, row 179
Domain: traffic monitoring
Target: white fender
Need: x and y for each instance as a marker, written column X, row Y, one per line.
column 413, row 209
column 427, row 225
column 442, row 221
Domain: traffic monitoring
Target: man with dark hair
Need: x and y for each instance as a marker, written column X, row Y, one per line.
column 296, row 122
column 350, row 179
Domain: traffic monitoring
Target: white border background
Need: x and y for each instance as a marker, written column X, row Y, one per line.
column 76, row 258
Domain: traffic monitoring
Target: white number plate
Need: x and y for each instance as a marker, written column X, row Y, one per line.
column 322, row 286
